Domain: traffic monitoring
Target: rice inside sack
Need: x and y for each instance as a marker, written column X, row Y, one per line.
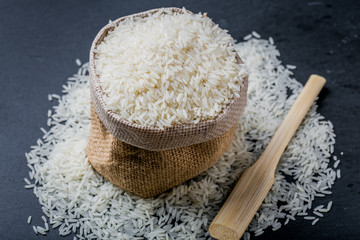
column 168, row 90
column 169, row 68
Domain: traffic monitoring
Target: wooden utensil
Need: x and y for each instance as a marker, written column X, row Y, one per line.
column 253, row 186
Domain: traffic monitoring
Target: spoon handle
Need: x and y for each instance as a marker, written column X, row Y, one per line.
column 254, row 184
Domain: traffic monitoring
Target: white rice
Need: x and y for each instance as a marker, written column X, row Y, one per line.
column 79, row 201
column 318, row 214
column 246, row 236
column 288, row 66
column 27, row 181
column 41, row 230
column 328, row 206
column 29, row 220
column 255, row 34
column 271, row 40
column 258, row 232
column 318, row 207
column 168, row 68
column 315, row 221
column 326, row 192
column 57, row 96
column 323, row 210
column 302, row 214
column 247, row 37
column 35, row 230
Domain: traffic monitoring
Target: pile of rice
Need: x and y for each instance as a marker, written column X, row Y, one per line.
column 79, row 201
column 169, row 68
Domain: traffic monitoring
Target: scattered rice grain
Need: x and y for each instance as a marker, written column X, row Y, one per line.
column 290, row 66
column 255, row 34
column 315, row 221
column 318, row 214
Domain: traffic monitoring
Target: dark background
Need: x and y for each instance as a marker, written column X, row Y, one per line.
column 40, row 40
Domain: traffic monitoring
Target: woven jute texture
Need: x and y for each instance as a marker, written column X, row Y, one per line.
column 149, row 173
column 153, row 138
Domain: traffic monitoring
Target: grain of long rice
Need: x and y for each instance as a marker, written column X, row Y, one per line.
column 315, row 221
column 29, row 220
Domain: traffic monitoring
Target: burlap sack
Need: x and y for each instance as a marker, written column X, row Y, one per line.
column 149, row 173
column 152, row 138
column 147, row 160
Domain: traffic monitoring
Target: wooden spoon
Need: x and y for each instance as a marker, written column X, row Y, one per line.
column 253, row 186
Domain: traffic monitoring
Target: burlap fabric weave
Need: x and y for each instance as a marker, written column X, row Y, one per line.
column 149, row 173
column 147, row 160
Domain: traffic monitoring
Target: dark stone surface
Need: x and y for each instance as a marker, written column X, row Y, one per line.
column 40, row 40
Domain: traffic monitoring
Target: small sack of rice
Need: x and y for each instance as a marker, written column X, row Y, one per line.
column 167, row 90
